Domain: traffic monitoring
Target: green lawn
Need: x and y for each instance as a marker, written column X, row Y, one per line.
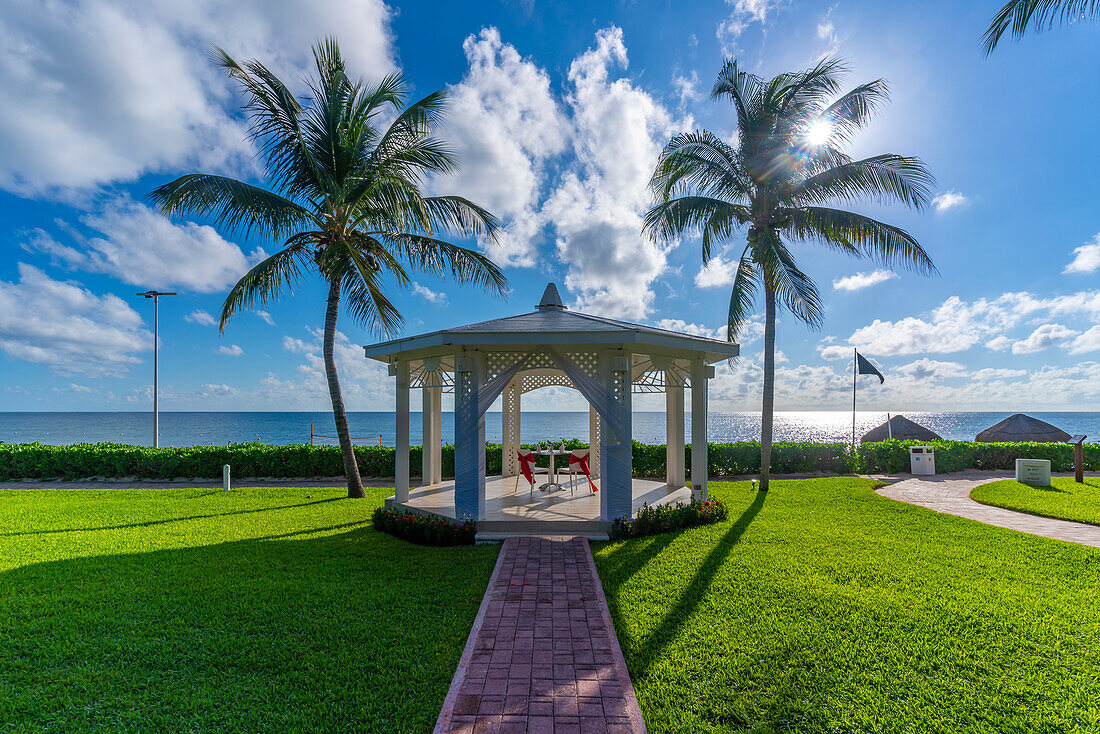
column 1066, row 499
column 196, row 610
column 822, row 607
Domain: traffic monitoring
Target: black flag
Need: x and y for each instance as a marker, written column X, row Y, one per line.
column 866, row 368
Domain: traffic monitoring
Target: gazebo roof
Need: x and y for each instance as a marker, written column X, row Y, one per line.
column 1020, row 427
column 551, row 323
column 902, row 429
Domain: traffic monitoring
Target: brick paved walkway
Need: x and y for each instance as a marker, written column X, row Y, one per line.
column 950, row 494
column 542, row 655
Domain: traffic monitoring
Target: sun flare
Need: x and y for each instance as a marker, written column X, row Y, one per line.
column 818, row 133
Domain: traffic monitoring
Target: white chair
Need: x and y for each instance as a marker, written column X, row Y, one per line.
column 526, row 455
column 573, row 469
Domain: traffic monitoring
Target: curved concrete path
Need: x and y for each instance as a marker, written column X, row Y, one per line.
column 950, row 494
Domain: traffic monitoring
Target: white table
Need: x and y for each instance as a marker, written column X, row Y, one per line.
column 553, row 483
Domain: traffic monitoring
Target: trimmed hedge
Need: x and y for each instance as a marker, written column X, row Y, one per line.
column 891, row 457
column 424, row 529
column 79, row 461
column 655, row 519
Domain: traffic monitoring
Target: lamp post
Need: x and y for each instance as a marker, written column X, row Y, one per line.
column 155, row 295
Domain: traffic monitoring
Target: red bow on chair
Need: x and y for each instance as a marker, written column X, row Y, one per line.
column 583, row 462
column 525, row 461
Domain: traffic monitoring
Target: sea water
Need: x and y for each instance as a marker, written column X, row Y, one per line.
column 194, row 429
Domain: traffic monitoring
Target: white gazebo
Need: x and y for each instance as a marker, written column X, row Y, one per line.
column 607, row 361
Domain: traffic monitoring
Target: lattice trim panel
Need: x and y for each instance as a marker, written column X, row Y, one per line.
column 497, row 362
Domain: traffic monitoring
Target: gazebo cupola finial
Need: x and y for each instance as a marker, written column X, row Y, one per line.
column 550, row 299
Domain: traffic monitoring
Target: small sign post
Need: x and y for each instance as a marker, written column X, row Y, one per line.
column 1078, row 458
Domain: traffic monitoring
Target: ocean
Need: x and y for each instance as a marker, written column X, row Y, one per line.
column 195, row 429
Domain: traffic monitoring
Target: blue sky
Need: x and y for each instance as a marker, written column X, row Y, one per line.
column 558, row 113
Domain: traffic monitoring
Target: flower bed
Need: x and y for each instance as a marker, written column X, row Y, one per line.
column 654, row 519
column 424, row 529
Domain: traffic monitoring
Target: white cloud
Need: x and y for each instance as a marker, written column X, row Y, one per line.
column 999, row 343
column 366, row 384
column 1044, row 337
column 744, row 12
column 997, row 373
column 65, row 326
column 139, row 246
column 1086, row 258
column 265, row 317
column 1086, row 342
column 832, row 352
column 504, row 125
column 716, row 273
column 923, row 369
column 429, row 295
column 949, row 200
column 597, row 209
column 229, row 350
column 863, row 280
column 99, row 91
column 686, row 88
column 200, row 317
column 684, row 327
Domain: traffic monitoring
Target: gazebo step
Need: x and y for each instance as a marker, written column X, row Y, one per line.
column 492, row 530
column 498, row 537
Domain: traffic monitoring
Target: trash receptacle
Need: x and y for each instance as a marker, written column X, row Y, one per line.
column 922, row 460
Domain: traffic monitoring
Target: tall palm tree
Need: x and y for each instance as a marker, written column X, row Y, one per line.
column 343, row 199
column 1019, row 15
column 775, row 180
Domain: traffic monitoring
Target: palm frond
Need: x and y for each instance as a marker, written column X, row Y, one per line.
column 886, row 177
column 743, row 295
column 442, row 258
column 268, row 278
column 1018, row 16
column 232, row 204
column 794, row 288
column 716, row 219
column 859, row 235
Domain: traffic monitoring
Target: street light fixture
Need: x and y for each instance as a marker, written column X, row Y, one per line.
column 155, row 295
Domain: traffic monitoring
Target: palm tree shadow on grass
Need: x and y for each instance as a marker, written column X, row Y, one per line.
column 654, row 644
column 198, row 637
column 168, row 520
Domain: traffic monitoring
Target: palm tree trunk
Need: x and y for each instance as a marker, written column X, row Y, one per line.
column 766, row 412
column 351, row 467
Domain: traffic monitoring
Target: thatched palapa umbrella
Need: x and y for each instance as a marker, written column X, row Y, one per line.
column 1022, row 427
column 900, row 428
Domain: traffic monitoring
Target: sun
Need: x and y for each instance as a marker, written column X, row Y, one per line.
column 818, row 133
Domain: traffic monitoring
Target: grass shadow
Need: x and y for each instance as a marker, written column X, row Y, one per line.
column 671, row 624
column 279, row 633
column 169, row 520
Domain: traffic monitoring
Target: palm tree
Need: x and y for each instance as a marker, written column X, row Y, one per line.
column 775, row 180
column 1019, row 15
column 343, row 199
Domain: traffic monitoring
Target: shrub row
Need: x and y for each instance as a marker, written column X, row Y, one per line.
column 78, row 461
column 654, row 519
column 424, row 529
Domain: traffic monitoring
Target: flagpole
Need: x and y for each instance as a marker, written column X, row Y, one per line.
column 855, row 370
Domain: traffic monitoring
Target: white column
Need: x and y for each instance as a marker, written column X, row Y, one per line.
column 510, row 427
column 401, row 456
column 593, row 442
column 674, row 430
column 431, row 447
column 469, row 437
column 699, row 374
column 437, row 432
column 617, row 495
